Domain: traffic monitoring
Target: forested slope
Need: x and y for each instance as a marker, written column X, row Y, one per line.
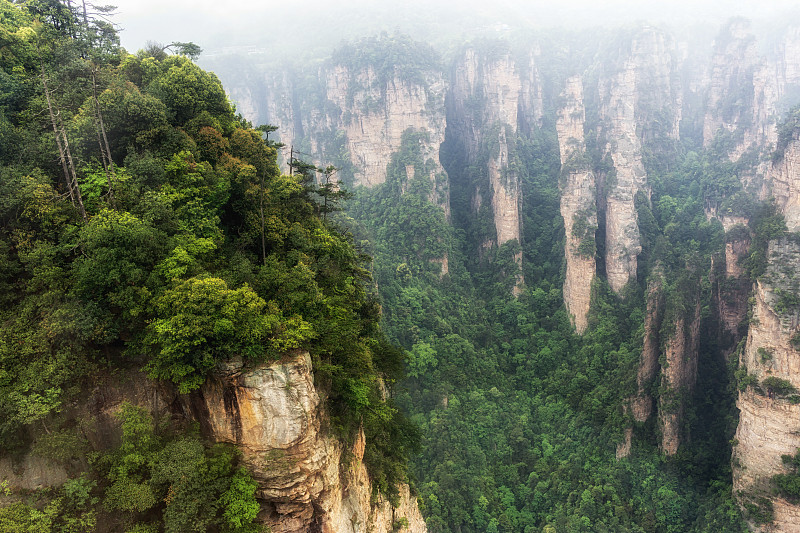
column 147, row 226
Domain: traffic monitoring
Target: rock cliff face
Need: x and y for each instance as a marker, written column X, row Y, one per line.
column 742, row 94
column 308, row 481
column 274, row 415
column 491, row 98
column 374, row 113
column 625, row 180
column 678, row 377
column 788, row 62
column 639, row 86
column 769, row 423
column 733, row 291
column 641, row 405
column 356, row 120
column 578, row 204
column 785, row 185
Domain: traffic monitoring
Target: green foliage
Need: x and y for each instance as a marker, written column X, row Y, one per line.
column 760, row 511
column 387, row 56
column 766, row 225
column 744, row 380
column 201, row 321
column 192, row 487
column 778, row 386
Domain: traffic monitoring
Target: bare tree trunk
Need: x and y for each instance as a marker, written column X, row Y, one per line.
column 64, row 153
column 71, row 166
column 261, row 207
column 105, row 148
column 61, row 156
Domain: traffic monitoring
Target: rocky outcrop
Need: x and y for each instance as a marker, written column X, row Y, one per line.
column 659, row 94
column 357, row 119
column 641, row 406
column 374, row 112
column 784, row 185
column 483, row 112
column 678, row 376
column 788, row 62
column 493, row 98
column 625, row 179
column 769, row 419
column 638, row 87
column 307, row 479
column 742, row 95
column 578, row 204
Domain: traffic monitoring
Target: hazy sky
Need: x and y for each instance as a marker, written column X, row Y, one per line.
column 214, row 24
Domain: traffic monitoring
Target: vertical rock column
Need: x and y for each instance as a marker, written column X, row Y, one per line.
column 742, row 95
column 505, row 201
column 785, row 184
column 490, row 98
column 625, row 180
column 578, row 204
column 678, row 376
column 641, row 405
column 733, row 289
column 502, row 88
column 769, row 418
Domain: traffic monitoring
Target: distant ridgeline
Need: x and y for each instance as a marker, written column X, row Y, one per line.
column 584, row 244
column 153, row 260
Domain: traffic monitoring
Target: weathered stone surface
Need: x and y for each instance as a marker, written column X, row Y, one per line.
column 678, row 378
column 491, row 100
column 624, row 447
column 788, row 61
column 769, row 425
column 578, row 202
column 785, row 185
column 734, row 291
column 32, row 473
column 274, row 415
column 641, row 405
column 624, row 148
column 742, row 97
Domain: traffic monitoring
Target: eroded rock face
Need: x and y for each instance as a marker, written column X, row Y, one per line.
column 734, row 291
column 578, row 204
column 484, row 104
column 628, row 177
column 374, row 113
column 785, row 185
column 769, row 424
column 491, row 100
column 368, row 112
column 274, row 415
column 788, row 61
column 742, row 95
column 678, row 377
column 641, row 405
